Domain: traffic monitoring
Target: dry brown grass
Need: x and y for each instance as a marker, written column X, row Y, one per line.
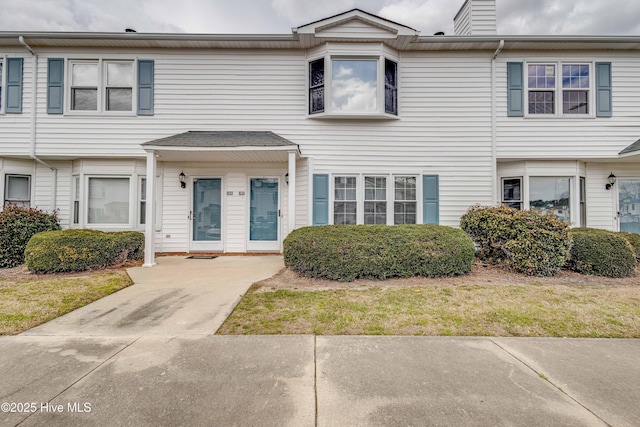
column 488, row 302
column 27, row 300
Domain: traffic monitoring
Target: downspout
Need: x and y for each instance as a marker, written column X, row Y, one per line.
column 494, row 124
column 32, row 148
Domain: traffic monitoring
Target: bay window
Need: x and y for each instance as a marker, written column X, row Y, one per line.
column 108, row 201
column 551, row 195
column 358, row 86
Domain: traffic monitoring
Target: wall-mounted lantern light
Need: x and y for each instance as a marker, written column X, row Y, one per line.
column 612, row 180
column 286, row 178
column 183, row 180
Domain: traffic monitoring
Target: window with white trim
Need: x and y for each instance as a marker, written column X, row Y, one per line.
column 355, row 86
column 375, row 200
column 143, row 201
column 108, row 200
column 17, row 190
column 1, row 83
column 76, row 200
column 345, row 200
column 101, row 85
column 559, row 88
column 405, row 200
column 512, row 192
column 551, row 195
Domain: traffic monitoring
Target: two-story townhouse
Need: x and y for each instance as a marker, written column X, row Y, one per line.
column 228, row 142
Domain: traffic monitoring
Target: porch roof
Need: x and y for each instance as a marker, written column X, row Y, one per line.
column 222, row 146
column 632, row 150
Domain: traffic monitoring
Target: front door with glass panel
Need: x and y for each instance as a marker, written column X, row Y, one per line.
column 206, row 215
column 263, row 214
column 629, row 205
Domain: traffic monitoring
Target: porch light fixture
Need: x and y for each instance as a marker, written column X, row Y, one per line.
column 286, row 178
column 612, row 180
column 183, row 180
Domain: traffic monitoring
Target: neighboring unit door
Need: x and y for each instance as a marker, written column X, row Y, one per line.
column 264, row 214
column 206, row 215
column 629, row 205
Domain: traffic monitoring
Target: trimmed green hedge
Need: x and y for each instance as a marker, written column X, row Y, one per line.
column 634, row 240
column 527, row 241
column 601, row 253
column 349, row 252
column 80, row 250
column 17, row 225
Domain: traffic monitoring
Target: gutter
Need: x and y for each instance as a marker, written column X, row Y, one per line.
column 494, row 143
column 33, row 123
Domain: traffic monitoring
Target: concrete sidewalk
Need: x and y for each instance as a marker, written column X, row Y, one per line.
column 177, row 297
column 147, row 356
column 326, row 381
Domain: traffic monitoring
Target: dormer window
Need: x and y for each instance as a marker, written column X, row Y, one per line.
column 353, row 86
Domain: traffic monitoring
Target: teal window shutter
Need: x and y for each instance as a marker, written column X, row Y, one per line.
column 515, row 89
column 55, row 85
column 320, row 199
column 14, row 86
column 603, row 89
column 430, row 200
column 145, row 87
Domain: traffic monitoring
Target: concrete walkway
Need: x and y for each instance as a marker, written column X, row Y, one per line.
column 161, row 367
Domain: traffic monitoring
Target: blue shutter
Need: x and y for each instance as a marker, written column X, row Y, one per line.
column 320, row 199
column 14, row 86
column 430, row 200
column 603, row 89
column 145, row 87
column 55, row 85
column 515, row 89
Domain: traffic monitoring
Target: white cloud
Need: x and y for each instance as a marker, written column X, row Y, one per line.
column 301, row 12
column 427, row 16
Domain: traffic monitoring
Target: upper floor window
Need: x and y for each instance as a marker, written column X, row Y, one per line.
column 101, row 85
column 353, row 86
column 557, row 87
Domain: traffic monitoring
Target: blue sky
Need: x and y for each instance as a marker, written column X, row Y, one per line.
column 567, row 17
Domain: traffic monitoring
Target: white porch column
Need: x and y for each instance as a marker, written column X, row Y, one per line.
column 150, row 215
column 292, row 191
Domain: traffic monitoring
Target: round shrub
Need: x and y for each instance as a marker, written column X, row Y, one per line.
column 601, row 253
column 528, row 241
column 634, row 240
column 80, row 250
column 17, row 225
column 349, row 252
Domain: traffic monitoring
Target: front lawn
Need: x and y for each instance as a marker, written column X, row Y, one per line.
column 26, row 301
column 486, row 303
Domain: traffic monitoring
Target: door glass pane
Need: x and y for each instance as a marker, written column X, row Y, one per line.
column 629, row 199
column 207, row 197
column 263, row 209
column 108, row 201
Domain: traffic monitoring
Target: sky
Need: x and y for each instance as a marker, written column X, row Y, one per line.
column 515, row 17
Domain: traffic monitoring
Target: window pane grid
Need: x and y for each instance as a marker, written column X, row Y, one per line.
column 404, row 207
column 375, row 195
column 512, row 192
column 316, row 86
column 345, row 205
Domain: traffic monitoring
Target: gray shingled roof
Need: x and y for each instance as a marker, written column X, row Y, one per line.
column 633, row 147
column 218, row 139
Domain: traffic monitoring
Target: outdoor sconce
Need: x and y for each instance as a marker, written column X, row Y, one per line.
column 286, row 178
column 183, row 180
column 612, row 180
